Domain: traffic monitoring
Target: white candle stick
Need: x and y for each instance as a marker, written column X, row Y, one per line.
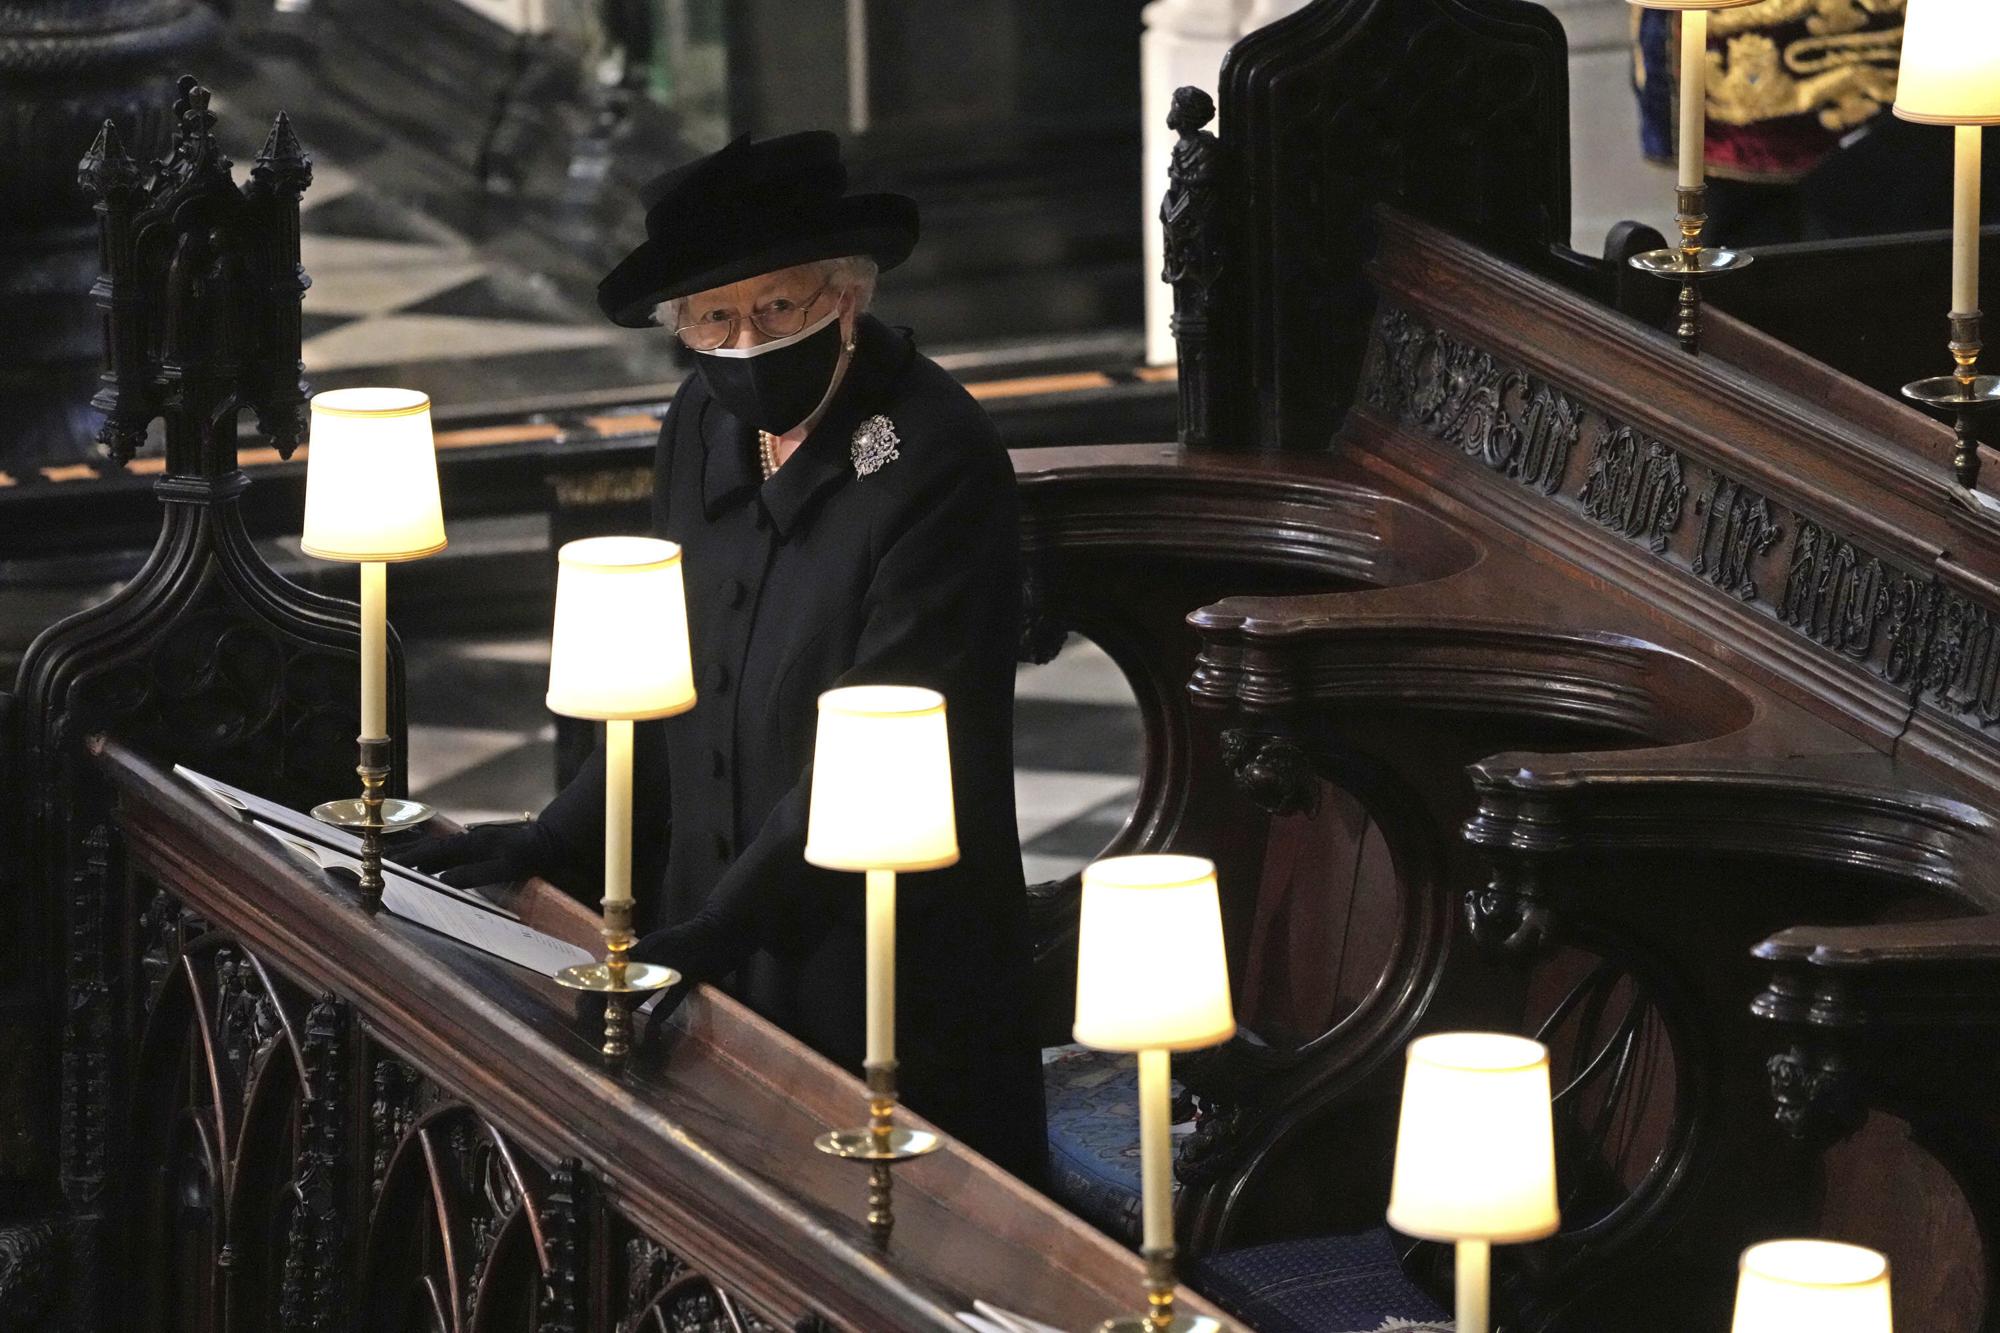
column 1694, row 96
column 1474, row 1271
column 618, row 811
column 881, row 979
column 374, row 650
column 1965, row 222
column 1156, row 1153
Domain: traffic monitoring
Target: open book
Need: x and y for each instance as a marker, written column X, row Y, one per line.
column 409, row 894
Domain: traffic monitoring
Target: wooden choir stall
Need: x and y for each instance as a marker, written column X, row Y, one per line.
column 1518, row 670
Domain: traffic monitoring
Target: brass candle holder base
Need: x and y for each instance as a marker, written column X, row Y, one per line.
column 880, row 1146
column 617, row 979
column 1690, row 264
column 371, row 814
column 1160, row 1316
column 1962, row 395
column 397, row 813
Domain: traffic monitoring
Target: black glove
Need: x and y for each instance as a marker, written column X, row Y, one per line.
column 484, row 854
column 696, row 949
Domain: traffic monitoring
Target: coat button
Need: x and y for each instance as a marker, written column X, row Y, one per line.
column 718, row 678
column 719, row 763
column 734, row 592
column 722, row 846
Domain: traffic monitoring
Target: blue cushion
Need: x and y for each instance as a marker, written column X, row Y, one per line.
column 1325, row 1284
column 1093, row 1099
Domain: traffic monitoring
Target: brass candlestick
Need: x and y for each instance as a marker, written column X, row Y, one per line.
column 1690, row 263
column 374, row 771
column 1160, row 1316
column 617, row 979
column 1963, row 394
column 881, row 1145
column 372, row 814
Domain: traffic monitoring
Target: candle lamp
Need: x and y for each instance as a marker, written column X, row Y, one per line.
column 881, row 802
column 1951, row 76
column 1152, row 978
column 1787, row 1285
column 619, row 654
column 372, row 500
column 1690, row 263
column 1475, row 1154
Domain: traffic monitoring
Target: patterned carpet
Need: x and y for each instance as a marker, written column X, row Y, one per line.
column 485, row 748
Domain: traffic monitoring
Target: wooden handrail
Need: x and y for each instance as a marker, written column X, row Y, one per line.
column 703, row 1143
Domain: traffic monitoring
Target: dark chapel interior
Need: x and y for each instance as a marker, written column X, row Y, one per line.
column 1555, row 604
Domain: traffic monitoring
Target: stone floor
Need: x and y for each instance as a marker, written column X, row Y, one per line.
column 483, row 746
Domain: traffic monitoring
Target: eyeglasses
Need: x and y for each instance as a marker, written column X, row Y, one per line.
column 774, row 319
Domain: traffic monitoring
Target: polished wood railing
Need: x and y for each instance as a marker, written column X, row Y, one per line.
column 338, row 1120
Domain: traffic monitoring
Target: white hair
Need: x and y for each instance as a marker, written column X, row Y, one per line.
column 854, row 274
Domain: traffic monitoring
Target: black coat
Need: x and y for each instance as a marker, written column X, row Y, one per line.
column 817, row 578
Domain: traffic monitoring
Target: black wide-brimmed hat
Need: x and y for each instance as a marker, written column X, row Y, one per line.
column 750, row 208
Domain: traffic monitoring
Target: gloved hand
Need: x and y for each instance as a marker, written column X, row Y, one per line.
column 500, row 853
column 697, row 949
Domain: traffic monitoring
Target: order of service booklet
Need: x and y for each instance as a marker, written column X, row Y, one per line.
column 409, row 894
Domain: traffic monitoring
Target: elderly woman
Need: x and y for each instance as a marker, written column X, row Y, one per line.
column 848, row 517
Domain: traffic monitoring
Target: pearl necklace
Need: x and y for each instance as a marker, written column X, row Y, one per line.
column 767, row 453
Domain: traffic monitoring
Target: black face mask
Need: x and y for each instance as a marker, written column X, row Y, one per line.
column 775, row 385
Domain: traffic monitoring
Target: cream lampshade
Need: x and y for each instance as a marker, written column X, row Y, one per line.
column 1152, row 977
column 1790, row 1285
column 619, row 653
column 1951, row 63
column 881, row 783
column 1475, row 1148
column 371, row 477
column 1151, row 973
column 1475, row 1153
column 620, row 645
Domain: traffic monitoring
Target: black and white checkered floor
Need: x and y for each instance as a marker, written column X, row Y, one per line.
column 485, row 746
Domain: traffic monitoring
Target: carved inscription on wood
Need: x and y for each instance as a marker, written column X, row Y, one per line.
column 1898, row 623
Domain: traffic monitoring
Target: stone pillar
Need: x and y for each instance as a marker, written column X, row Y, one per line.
column 67, row 66
column 1609, row 180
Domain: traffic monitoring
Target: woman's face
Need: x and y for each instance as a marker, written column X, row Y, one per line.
column 770, row 293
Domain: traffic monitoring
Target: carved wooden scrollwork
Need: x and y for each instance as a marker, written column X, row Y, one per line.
column 458, row 1238
column 313, row 1292
column 28, row 1257
column 1510, row 914
column 561, row 1298
column 1042, row 634
column 1612, row 1045
column 664, row 1295
column 233, row 1126
column 1272, row 771
column 289, row 1174
column 1815, row 1094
